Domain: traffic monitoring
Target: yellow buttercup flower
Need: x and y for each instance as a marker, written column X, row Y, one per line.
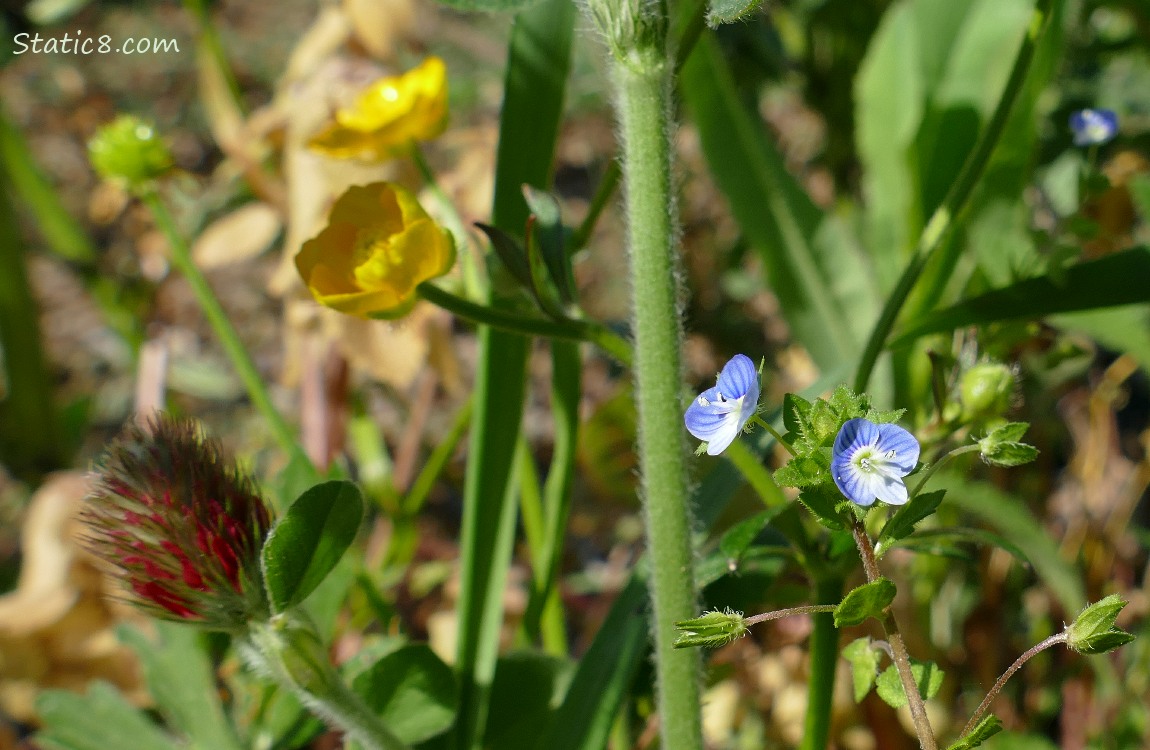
column 378, row 246
column 389, row 115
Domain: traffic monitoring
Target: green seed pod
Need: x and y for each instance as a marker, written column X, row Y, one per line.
column 129, row 150
column 986, row 390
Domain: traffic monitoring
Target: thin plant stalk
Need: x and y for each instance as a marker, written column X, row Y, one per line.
column 1001, row 682
column 899, row 654
column 957, row 199
column 642, row 84
column 222, row 326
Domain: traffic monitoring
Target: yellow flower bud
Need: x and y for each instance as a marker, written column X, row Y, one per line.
column 389, row 115
column 378, row 246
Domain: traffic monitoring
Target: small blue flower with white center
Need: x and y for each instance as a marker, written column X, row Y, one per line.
column 1093, row 126
column 719, row 414
column 869, row 461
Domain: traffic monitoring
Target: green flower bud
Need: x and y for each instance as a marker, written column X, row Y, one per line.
column 711, row 630
column 1093, row 631
column 1002, row 447
column 288, row 647
column 985, row 390
column 129, row 150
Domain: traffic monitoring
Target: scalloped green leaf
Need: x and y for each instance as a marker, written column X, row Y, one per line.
column 305, row 545
column 868, row 600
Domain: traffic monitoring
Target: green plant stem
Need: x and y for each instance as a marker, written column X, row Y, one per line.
column 774, row 433
column 30, row 440
column 899, row 653
column 1017, row 665
column 943, row 460
column 642, row 83
column 288, row 649
column 824, row 655
column 473, row 280
column 223, row 328
column 779, row 614
column 957, row 199
column 568, row 329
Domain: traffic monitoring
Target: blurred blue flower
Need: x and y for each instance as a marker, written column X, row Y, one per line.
column 1093, row 126
column 719, row 414
column 869, row 461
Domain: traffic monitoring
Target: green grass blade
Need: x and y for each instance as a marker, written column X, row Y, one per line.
column 819, row 280
column 29, row 437
column 1118, row 279
column 538, row 60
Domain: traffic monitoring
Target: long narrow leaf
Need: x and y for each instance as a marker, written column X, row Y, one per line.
column 538, row 60
column 1118, row 279
column 818, row 278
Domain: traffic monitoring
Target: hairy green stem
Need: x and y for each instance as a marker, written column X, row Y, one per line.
column 287, row 649
column 222, row 326
column 774, row 433
column 899, row 653
column 642, row 81
column 945, row 458
column 957, row 199
column 1017, row 665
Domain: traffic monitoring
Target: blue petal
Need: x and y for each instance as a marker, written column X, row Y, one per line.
column 740, row 378
column 853, row 435
column 707, row 413
column 1093, row 126
column 852, row 483
column 891, row 437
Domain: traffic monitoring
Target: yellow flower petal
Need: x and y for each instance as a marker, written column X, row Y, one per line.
column 389, row 115
column 378, row 246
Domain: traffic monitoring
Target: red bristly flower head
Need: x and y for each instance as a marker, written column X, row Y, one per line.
column 182, row 524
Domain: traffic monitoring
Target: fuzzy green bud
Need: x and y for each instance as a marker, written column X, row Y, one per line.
column 129, row 150
column 986, row 390
column 711, row 630
column 288, row 646
column 1002, row 447
column 630, row 26
column 1094, row 632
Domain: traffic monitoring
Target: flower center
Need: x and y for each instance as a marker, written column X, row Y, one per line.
column 374, row 258
column 868, row 460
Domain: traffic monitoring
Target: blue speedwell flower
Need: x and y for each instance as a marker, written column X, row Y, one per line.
column 1093, row 126
column 718, row 414
column 869, row 460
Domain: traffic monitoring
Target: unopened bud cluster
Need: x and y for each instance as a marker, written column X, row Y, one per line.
column 182, row 524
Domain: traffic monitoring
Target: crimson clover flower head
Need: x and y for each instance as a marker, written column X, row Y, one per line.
column 1093, row 126
column 718, row 414
column 869, row 461
column 181, row 523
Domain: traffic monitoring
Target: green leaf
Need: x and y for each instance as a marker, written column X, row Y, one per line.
column 1009, row 432
column 868, row 600
column 864, row 666
column 923, row 540
column 729, row 11
column 552, row 241
column 1113, row 280
column 182, row 680
column 510, row 253
column 604, row 675
column 539, row 54
column 1011, row 454
column 823, row 501
column 738, row 538
column 927, row 676
column 989, row 726
column 528, row 688
column 811, row 261
column 100, row 720
column 802, row 471
column 796, row 410
column 902, row 523
column 412, row 691
column 309, row 540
